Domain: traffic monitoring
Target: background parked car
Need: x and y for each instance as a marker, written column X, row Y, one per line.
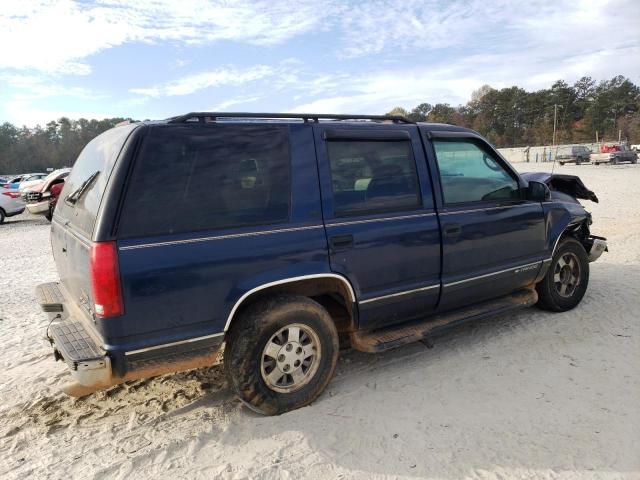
column 13, row 182
column 32, row 180
column 573, row 154
column 42, row 198
column 615, row 154
column 10, row 203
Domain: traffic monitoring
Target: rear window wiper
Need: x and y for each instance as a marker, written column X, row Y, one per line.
column 73, row 197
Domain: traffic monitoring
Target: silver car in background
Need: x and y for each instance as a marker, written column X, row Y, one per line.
column 10, row 203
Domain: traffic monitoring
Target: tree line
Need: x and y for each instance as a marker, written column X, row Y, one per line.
column 508, row 117
column 585, row 112
column 57, row 144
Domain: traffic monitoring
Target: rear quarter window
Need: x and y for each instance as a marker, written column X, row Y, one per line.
column 205, row 177
column 99, row 156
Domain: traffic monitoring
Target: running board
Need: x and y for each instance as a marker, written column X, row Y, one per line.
column 379, row 340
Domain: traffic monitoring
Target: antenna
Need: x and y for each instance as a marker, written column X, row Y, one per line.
column 555, row 159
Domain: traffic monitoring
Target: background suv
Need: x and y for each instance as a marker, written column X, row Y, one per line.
column 573, row 154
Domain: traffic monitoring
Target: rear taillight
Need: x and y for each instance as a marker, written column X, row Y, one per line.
column 11, row 194
column 105, row 280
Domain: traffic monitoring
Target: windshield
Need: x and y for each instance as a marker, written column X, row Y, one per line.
column 89, row 176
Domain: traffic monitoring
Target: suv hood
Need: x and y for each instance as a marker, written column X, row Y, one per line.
column 569, row 184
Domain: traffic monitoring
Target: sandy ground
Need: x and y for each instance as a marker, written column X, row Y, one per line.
column 530, row 395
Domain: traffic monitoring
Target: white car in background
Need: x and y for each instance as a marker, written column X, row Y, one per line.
column 32, row 180
column 10, row 203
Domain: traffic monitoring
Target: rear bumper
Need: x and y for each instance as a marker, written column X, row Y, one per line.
column 38, row 208
column 94, row 368
column 72, row 343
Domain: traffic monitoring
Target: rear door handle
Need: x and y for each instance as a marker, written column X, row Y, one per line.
column 453, row 230
column 341, row 241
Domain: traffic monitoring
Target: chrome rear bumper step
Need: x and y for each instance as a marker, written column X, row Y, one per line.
column 89, row 364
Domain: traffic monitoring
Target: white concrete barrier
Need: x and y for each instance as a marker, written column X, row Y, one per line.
column 545, row 153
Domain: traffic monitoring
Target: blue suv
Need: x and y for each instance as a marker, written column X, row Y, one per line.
column 266, row 241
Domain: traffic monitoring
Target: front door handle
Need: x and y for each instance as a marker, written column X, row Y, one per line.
column 453, row 230
column 341, row 241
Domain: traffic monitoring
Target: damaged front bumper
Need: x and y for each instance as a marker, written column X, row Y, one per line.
column 597, row 248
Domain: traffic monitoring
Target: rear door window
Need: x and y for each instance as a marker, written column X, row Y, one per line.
column 372, row 176
column 95, row 162
column 192, row 178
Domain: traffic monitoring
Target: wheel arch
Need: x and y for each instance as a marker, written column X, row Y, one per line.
column 320, row 286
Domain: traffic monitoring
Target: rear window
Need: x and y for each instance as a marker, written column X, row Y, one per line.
column 192, row 178
column 95, row 162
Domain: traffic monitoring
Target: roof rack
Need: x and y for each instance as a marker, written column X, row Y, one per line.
column 205, row 117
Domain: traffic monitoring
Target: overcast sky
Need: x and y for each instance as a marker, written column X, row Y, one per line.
column 157, row 58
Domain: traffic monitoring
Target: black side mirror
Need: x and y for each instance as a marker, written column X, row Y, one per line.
column 538, row 192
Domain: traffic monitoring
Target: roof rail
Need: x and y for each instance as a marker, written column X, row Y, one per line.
column 205, row 117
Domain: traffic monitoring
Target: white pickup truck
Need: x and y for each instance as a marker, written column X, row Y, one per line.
column 620, row 153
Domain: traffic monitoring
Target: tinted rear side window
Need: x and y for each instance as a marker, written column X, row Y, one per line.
column 99, row 156
column 191, row 178
column 372, row 176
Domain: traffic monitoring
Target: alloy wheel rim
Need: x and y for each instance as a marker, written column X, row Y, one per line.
column 290, row 358
column 566, row 274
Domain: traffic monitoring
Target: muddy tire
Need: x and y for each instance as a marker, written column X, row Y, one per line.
column 281, row 353
column 566, row 281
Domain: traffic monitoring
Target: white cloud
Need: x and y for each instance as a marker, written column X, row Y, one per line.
column 214, row 78
column 222, row 106
column 379, row 90
column 55, row 36
column 364, row 56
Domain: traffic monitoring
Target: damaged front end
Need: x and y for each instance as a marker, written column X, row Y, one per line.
column 565, row 215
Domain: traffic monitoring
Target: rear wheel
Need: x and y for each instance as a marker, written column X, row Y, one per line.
column 566, row 281
column 578, row 161
column 2, row 216
column 281, row 353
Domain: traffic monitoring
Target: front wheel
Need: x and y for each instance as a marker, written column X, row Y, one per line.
column 566, row 281
column 281, row 353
